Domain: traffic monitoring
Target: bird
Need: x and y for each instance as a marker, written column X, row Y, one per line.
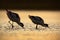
column 14, row 17
column 38, row 21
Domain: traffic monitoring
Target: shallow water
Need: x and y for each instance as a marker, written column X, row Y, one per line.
column 31, row 27
column 30, row 33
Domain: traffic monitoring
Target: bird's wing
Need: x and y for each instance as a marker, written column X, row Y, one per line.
column 14, row 15
column 39, row 19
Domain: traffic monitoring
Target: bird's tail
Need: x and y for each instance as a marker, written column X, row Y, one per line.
column 7, row 10
column 21, row 24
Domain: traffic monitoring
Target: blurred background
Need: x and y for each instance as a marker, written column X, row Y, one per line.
column 30, row 4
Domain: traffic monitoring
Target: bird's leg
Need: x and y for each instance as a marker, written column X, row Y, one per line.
column 23, row 27
column 9, row 23
column 12, row 25
column 36, row 26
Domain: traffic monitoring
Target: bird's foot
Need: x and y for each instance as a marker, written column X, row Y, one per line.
column 23, row 27
column 37, row 28
column 12, row 27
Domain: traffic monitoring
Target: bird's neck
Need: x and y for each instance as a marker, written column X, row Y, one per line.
column 43, row 24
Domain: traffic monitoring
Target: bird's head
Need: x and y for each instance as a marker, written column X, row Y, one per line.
column 21, row 24
column 46, row 25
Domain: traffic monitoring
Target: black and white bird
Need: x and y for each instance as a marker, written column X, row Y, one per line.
column 38, row 21
column 14, row 17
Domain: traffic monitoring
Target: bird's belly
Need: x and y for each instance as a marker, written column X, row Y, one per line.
column 37, row 22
